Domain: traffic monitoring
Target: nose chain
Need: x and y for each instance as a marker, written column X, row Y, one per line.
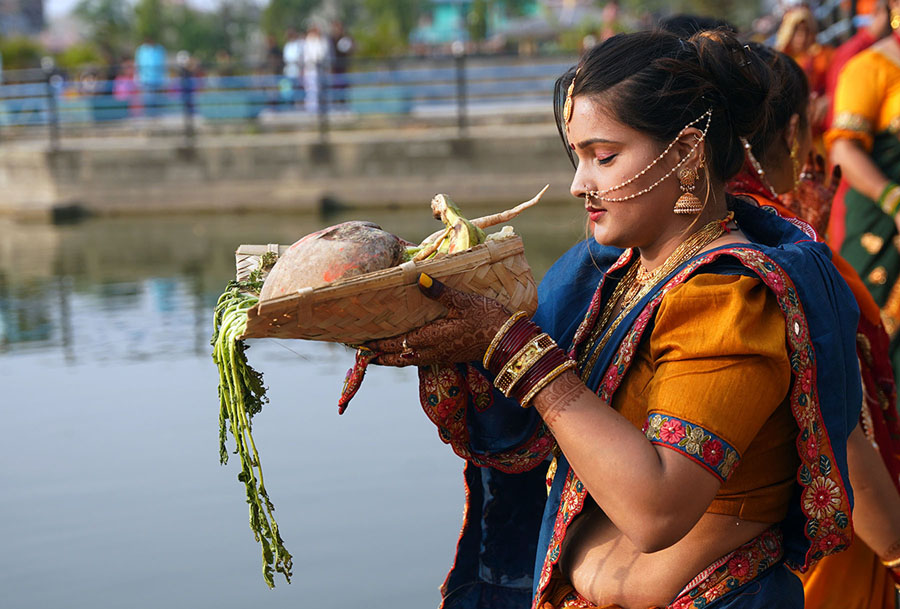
column 600, row 194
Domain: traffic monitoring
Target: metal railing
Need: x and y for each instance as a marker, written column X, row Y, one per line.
column 453, row 88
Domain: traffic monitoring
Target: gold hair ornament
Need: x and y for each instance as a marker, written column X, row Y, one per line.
column 567, row 108
column 599, row 195
column 757, row 166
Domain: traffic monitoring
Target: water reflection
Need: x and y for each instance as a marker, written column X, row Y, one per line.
column 113, row 491
column 133, row 289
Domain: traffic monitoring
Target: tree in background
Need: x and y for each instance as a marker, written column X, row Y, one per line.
column 477, row 20
column 198, row 33
column 110, row 25
column 149, row 20
column 384, row 26
column 20, row 53
column 280, row 15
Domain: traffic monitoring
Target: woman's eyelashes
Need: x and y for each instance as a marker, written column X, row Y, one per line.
column 605, row 160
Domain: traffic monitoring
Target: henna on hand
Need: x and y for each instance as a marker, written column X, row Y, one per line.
column 554, row 399
column 812, row 196
column 462, row 336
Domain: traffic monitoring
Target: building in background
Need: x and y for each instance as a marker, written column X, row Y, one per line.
column 21, row 17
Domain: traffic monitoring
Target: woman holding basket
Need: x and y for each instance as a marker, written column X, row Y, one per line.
column 687, row 372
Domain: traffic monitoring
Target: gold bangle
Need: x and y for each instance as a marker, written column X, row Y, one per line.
column 567, row 365
column 892, row 564
column 500, row 334
column 890, row 200
column 520, row 363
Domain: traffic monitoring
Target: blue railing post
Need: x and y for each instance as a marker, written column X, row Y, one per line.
column 322, row 105
column 459, row 56
column 48, row 65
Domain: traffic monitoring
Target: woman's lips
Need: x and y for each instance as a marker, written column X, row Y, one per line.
column 596, row 214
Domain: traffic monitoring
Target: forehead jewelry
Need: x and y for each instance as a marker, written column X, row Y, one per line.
column 567, row 108
column 600, row 195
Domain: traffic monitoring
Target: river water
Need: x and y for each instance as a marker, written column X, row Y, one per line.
column 113, row 495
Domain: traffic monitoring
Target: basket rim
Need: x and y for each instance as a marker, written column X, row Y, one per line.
column 404, row 274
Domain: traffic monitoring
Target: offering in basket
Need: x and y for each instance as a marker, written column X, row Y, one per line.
column 350, row 283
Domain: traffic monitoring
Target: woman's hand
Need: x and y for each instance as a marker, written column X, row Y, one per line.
column 812, row 196
column 462, row 336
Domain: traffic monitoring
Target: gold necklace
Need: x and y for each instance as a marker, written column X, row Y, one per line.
column 624, row 285
column 642, row 284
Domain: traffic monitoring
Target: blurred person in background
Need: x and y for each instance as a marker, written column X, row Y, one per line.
column 859, row 577
column 316, row 65
column 863, row 141
column 342, row 49
column 186, row 80
column 796, row 37
column 878, row 27
column 150, row 73
column 126, row 90
column 274, row 62
column 292, row 54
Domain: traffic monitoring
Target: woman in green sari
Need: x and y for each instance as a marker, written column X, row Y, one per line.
column 864, row 141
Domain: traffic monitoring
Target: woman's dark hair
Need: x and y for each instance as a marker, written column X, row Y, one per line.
column 685, row 26
column 790, row 95
column 656, row 83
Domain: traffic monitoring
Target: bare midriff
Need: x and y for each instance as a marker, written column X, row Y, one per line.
column 606, row 568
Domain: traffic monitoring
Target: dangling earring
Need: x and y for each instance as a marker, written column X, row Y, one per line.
column 688, row 203
column 795, row 161
column 895, row 20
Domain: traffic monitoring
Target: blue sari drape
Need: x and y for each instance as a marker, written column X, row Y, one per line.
column 811, row 292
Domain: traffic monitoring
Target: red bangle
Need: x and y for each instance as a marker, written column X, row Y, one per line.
column 518, row 335
column 542, row 368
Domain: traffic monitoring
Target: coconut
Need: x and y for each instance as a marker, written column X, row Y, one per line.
column 337, row 252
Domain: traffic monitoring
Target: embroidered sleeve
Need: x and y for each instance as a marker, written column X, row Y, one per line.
column 696, row 443
column 721, row 369
column 479, row 423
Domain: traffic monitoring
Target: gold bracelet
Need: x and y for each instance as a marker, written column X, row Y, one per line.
column 500, row 334
column 892, row 564
column 568, row 365
column 520, row 363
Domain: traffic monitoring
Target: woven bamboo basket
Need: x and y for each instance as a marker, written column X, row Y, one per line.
column 387, row 303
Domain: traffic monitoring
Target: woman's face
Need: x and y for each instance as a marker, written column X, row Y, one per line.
column 802, row 38
column 609, row 153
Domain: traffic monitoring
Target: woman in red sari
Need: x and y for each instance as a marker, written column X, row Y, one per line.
column 856, row 578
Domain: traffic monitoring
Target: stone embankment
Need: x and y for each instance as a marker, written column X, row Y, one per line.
column 281, row 171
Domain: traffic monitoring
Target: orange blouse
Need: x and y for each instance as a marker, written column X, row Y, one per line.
column 716, row 366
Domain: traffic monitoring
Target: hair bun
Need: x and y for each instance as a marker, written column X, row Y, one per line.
column 740, row 77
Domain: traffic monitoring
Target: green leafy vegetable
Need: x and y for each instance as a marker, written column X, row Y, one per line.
column 242, row 395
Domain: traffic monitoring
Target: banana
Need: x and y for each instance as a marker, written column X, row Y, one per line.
column 461, row 233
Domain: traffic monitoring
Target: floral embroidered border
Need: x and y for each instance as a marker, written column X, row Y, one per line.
column 824, row 500
column 693, row 441
column 445, row 393
column 733, row 571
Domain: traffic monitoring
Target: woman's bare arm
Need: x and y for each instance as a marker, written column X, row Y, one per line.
column 876, row 513
column 653, row 495
column 858, row 169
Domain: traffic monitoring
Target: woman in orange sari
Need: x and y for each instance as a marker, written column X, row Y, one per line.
column 691, row 367
column 855, row 579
